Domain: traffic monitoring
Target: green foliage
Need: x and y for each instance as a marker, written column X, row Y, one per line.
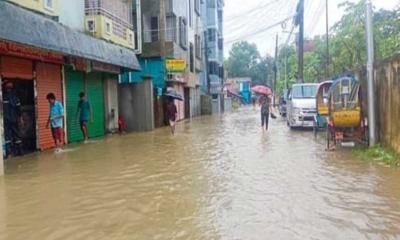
column 245, row 61
column 347, row 45
column 379, row 154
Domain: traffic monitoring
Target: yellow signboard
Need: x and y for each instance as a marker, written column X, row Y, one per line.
column 175, row 65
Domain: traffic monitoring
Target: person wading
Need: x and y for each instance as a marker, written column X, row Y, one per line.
column 171, row 114
column 12, row 118
column 84, row 112
column 56, row 118
column 266, row 108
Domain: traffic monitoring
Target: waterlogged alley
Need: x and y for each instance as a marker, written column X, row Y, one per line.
column 218, row 178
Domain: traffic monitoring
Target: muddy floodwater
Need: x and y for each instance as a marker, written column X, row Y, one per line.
column 219, row 178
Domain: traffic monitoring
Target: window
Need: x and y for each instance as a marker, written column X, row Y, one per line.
column 171, row 28
column 197, row 7
column 183, row 32
column 304, row 91
column 213, row 68
column 91, row 25
column 154, row 29
column 197, row 44
column 48, row 4
column 131, row 40
column 220, row 43
column 211, row 35
column 108, row 27
column 211, row 3
column 191, row 64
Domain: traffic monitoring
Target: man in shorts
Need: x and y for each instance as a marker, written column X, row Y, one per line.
column 84, row 112
column 55, row 121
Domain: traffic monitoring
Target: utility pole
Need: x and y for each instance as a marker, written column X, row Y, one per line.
column 300, row 21
column 275, row 67
column 370, row 74
column 327, row 42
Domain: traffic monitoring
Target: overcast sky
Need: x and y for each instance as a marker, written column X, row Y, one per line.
column 258, row 21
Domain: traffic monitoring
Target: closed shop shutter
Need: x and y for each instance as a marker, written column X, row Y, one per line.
column 13, row 67
column 74, row 84
column 95, row 92
column 111, row 101
column 48, row 79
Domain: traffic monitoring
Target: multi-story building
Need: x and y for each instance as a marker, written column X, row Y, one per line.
column 44, row 48
column 171, row 31
column 212, row 80
column 110, row 20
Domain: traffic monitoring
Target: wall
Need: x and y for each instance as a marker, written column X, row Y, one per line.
column 39, row 6
column 136, row 105
column 387, row 100
column 100, row 31
column 72, row 14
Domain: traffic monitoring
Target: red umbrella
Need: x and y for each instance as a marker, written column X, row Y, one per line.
column 260, row 89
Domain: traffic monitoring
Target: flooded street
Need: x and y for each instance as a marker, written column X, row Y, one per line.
column 218, row 178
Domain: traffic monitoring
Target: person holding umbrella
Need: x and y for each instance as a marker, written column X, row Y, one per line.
column 266, row 109
column 172, row 112
column 265, row 103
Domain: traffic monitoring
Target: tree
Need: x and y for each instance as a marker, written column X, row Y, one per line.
column 245, row 61
column 242, row 58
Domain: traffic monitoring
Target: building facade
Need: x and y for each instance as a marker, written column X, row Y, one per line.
column 212, row 79
column 44, row 47
column 171, row 31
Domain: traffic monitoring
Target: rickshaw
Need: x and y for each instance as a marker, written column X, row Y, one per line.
column 320, row 119
column 346, row 124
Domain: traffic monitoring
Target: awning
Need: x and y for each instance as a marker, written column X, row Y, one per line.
column 25, row 27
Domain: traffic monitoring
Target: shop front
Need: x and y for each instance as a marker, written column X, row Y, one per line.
column 32, row 73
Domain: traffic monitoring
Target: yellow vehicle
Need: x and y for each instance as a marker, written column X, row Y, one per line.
column 320, row 120
column 345, row 116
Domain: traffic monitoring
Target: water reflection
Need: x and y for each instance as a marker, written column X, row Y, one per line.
column 218, row 178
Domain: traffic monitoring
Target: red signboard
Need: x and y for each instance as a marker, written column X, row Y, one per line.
column 24, row 51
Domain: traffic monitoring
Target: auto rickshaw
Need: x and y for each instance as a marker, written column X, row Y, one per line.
column 320, row 119
column 346, row 123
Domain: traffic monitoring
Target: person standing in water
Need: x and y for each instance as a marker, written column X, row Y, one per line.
column 265, row 103
column 55, row 121
column 84, row 112
column 171, row 114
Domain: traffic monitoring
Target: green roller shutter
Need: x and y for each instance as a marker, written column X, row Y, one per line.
column 95, row 92
column 74, row 84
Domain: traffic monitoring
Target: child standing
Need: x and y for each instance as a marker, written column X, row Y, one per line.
column 84, row 112
column 56, row 118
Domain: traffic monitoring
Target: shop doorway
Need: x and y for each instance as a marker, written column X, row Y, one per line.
column 187, row 102
column 24, row 90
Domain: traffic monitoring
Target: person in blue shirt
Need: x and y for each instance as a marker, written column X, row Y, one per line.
column 84, row 112
column 56, row 119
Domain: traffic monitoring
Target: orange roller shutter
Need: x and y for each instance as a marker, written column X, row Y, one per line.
column 48, row 79
column 13, row 67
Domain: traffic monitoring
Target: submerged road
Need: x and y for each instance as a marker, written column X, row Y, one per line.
column 219, row 178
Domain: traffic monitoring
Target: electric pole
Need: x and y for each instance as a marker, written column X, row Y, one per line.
column 327, row 42
column 370, row 74
column 275, row 68
column 300, row 23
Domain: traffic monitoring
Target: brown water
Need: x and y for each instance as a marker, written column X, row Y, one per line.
column 218, row 178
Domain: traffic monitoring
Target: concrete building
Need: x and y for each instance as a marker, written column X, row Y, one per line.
column 42, row 51
column 171, row 31
column 212, row 80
